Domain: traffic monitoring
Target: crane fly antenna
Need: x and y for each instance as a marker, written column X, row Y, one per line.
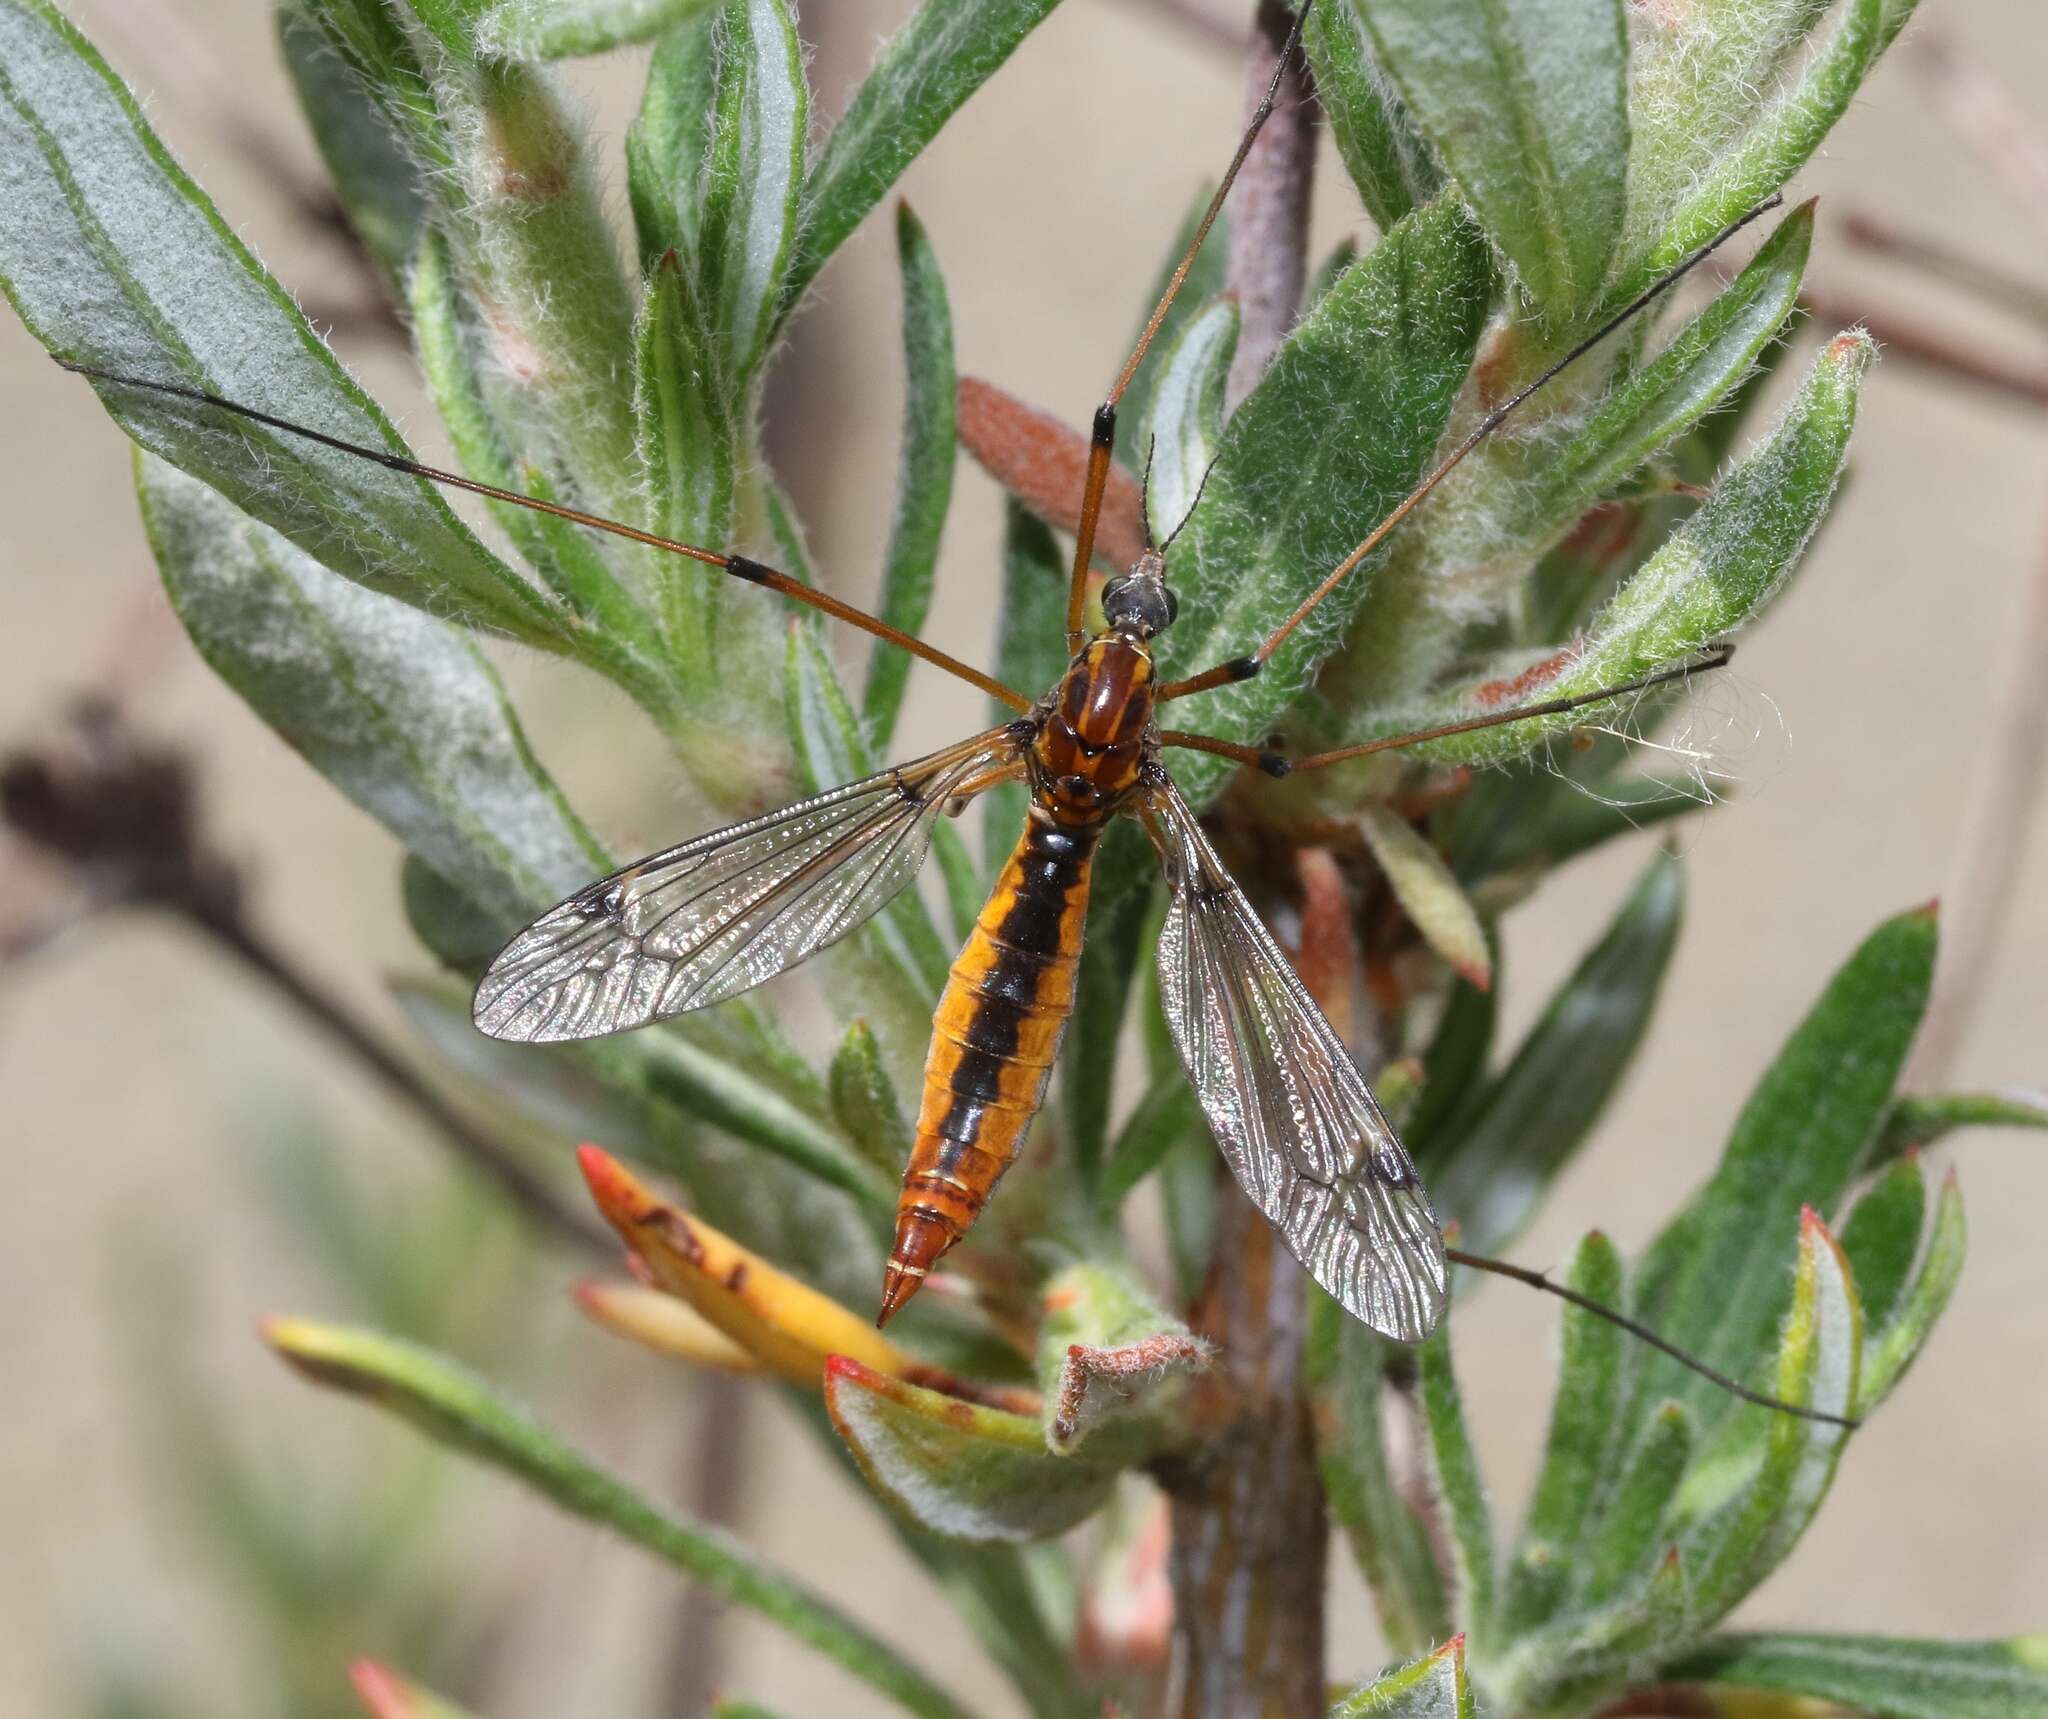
column 1637, row 1329
column 1190, row 514
column 1237, row 669
column 1102, row 437
column 739, row 566
column 1145, row 494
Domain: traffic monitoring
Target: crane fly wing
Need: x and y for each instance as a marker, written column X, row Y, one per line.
column 696, row 924
column 1285, row 1101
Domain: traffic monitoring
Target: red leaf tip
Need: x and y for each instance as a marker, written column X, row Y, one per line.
column 380, row 1689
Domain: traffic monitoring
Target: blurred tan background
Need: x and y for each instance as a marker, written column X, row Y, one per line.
column 139, row 1076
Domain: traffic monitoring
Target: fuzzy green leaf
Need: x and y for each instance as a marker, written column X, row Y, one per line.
column 946, row 51
column 1921, row 1118
column 1184, row 416
column 1715, row 575
column 1579, row 1453
column 1894, row 1346
column 1332, row 437
column 1454, row 1065
column 1882, row 1238
column 1388, row 162
column 1113, row 955
column 864, row 1101
column 1031, row 632
column 401, row 712
column 377, row 182
column 1886, row 1677
column 924, row 479
column 1712, row 1282
column 1537, row 1112
column 1345, row 1368
column 750, row 187
column 1428, row 892
column 959, row 1469
column 1454, row 1470
column 1113, row 1366
column 568, row 29
column 1163, row 1118
column 457, row 1409
column 1204, row 284
column 113, row 257
column 1431, row 1688
column 1632, row 1523
column 1528, row 108
column 668, row 140
column 1787, row 130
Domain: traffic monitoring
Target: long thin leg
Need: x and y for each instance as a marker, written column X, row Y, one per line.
column 1102, row 438
column 1279, row 764
column 739, row 566
column 1242, row 667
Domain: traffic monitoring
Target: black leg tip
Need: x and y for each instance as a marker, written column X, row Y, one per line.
column 1242, row 668
column 1275, row 765
column 1105, row 424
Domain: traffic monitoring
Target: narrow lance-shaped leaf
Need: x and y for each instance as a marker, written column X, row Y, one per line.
column 1718, row 572
column 924, row 479
column 1428, row 893
column 113, row 257
column 458, row 1409
column 749, row 189
column 401, row 712
column 1894, row 1346
column 1459, row 1487
column 1882, row 1238
column 864, row 1101
column 385, row 1694
column 1712, row 1282
column 1203, row 285
column 1921, row 1118
column 1030, row 653
column 1899, row 1678
column 1528, row 107
column 1632, row 1527
column 1120, row 920
column 1384, row 154
column 1536, row 1114
column 941, row 56
column 567, row 29
column 1431, row 1688
column 1332, row 437
column 1184, row 418
column 667, row 141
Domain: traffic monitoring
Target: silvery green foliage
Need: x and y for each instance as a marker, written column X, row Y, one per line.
column 1529, row 169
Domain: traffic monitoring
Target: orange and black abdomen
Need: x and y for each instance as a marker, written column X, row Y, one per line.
column 994, row 1038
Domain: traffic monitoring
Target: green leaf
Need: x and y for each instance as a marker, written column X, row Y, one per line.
column 461, row 935
column 1717, row 573
column 687, row 433
column 749, row 190
column 864, row 1101
column 946, row 51
column 1184, row 415
column 1166, row 1116
column 568, row 29
column 1649, row 408
column 1920, row 1119
column 1749, row 168
column 1579, row 1455
column 455, row 1408
column 1458, row 1485
column 1031, row 651
column 1712, row 1282
column 924, row 480
column 1887, row 1677
column 668, row 140
column 1631, row 1528
column 1428, row 892
column 1113, row 955
column 113, row 257
column 1896, row 1345
column 377, row 182
column 1536, row 1113
column 1388, row 162
column 1346, row 1363
column 1431, row 1688
column 1882, row 1238
column 1528, row 108
column 1113, row 1366
column 401, row 712
column 1203, row 285
column 616, row 633
column 1332, row 437
column 387, row 1695
column 831, row 749
column 1454, row 1065
column 959, row 1469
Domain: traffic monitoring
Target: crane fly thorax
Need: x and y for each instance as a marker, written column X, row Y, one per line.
column 1097, row 728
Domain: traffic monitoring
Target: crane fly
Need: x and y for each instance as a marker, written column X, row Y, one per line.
column 704, row 921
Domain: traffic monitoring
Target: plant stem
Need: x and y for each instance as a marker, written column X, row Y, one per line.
column 1250, row 1532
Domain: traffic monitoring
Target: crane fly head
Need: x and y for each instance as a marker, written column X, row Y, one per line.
column 1139, row 605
